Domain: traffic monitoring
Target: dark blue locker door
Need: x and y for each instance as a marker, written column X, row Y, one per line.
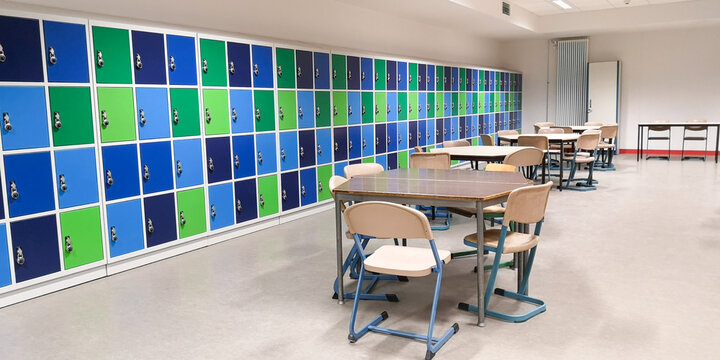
column 153, row 115
column 160, row 226
column 188, row 163
column 120, row 171
column 391, row 76
column 392, row 106
column 322, row 70
column 35, row 247
column 243, row 156
column 454, row 79
column 266, row 151
column 306, row 148
column 308, row 186
column 355, row 142
column 392, row 161
column 76, row 177
column 430, row 78
column 474, row 81
column 366, row 74
column 262, row 66
column 354, row 108
column 422, row 105
column 470, row 79
column 29, row 186
column 474, row 126
column 242, row 113
column 423, row 132
column 439, row 131
column 21, row 52
column 447, row 104
column 368, row 140
column 304, row 72
column 413, row 134
column 449, row 131
column 340, row 146
column 353, row 73
column 447, row 73
column 519, row 82
column 221, row 206
column 218, row 161
column 306, row 109
column 487, row 80
column 380, row 138
column 66, row 52
column 421, row 77
column 391, row 137
column 324, row 148
column 402, row 136
column 290, row 190
column 148, row 57
column 24, row 117
column 402, row 76
column 245, row 200
column 239, row 60
column 288, row 150
column 125, row 227
column 466, row 122
column 181, row 60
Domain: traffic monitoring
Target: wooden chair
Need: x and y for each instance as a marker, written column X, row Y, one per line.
column 487, row 140
column 566, row 129
column 354, row 170
column 542, row 125
column 585, row 153
column 418, row 149
column 455, row 143
column 527, row 160
column 694, row 128
column 663, row 137
column 594, row 123
column 608, row 134
column 539, row 142
column 506, row 132
column 439, row 161
column 553, row 130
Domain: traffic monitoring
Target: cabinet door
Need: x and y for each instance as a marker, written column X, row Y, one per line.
column 266, row 153
column 366, row 74
column 402, row 76
column 340, row 150
column 469, row 103
column 308, row 187
column 66, row 52
column 304, row 69
column 391, row 76
column 245, row 200
column 413, row 134
column 392, row 161
column 120, row 170
column 367, row 109
column 76, row 180
column 191, row 212
column 35, row 247
column 220, row 205
column 381, row 107
column 306, row 149
column 440, row 79
column 24, row 117
column 289, row 190
column 391, row 137
column 112, row 55
column 440, row 104
column 368, row 140
column 160, row 226
column 20, row 41
column 403, row 160
column 125, row 227
column 242, row 113
column 287, row 106
column 188, row 163
column 264, row 110
column 288, row 150
column 353, row 73
column 322, row 70
column 430, row 105
column 458, row 101
column 421, row 78
column 454, row 79
column 156, row 167
column 402, row 141
column 71, row 119
column 430, row 78
column 5, row 274
column 153, row 114
column 412, row 109
column 267, row 195
column 380, row 139
column 339, row 108
column 149, row 57
column 184, row 112
column 380, row 75
column 181, row 60
column 322, row 108
column 355, row 142
column 81, row 237
column 324, row 174
column 218, row 161
column 243, row 156
column 354, row 108
column 339, row 80
column 413, row 77
column 448, row 104
column 439, row 131
column 324, row 148
column 212, row 63
column 216, row 115
column 285, row 59
column 239, row 66
column 28, row 185
column 477, row 80
column 392, row 106
column 306, row 109
column 262, row 66
column 425, row 132
column 402, row 106
column 421, row 105
column 116, row 110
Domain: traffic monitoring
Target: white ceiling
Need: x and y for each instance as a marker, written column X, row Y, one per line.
column 547, row 7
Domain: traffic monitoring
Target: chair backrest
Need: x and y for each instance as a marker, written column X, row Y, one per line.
column 566, row 129
column 487, row 140
column 541, row 125
column 455, row 143
column 418, row 149
column 537, row 141
column 507, row 132
column 659, row 127
column 592, row 131
column 438, row 160
column 525, row 157
column 589, row 141
column 384, row 220
column 500, row 167
column 594, row 123
column 527, row 205
column 554, row 130
column 696, row 127
column 354, row 170
column 609, row 131
column 334, row 182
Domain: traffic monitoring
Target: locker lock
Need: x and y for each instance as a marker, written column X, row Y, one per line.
column 259, row 157
column 282, row 154
column 445, row 106
column 234, row 114
column 349, row 109
column 428, row 107
column 452, row 80
column 362, row 75
column 108, row 176
column 364, row 144
column 172, row 63
column 419, row 79
column 409, row 108
column 334, row 74
column 284, row 194
column 335, row 112
column 320, row 189
column 14, row 191
column 302, row 152
column 63, row 184
column 211, row 165
column 2, row 56
column 437, row 132
column 51, row 55
column 377, row 109
column 257, row 114
column 437, row 107
column 399, row 78
column 238, row 206
column 68, row 244
column 146, row 172
column 176, row 118
column 350, row 144
column 282, row 114
column 299, row 71
column 179, row 168
column 362, row 110
column 205, row 66
column 317, row 111
column 208, row 118
column 19, row 257
column 262, row 200
column 428, row 134
column 410, row 79
column 142, row 117
column 419, row 135
column 387, row 77
column 337, row 147
column 300, row 112
column 150, row 227
column 388, row 140
column 237, row 161
column 105, row 120
column 319, row 150
column 6, row 121
column 410, row 136
column 377, row 141
column 100, row 61
column 399, row 108
column 437, row 79
column 138, row 61
column 427, row 79
column 232, row 68
column 349, row 74
column 182, row 218
column 279, row 70
column 377, row 76
column 317, row 72
column 212, row 211
column 302, row 191
column 452, row 105
column 256, row 69
column 113, row 234
column 399, row 139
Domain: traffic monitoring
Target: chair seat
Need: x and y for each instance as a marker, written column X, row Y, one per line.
column 604, row 145
column 701, row 138
column 580, row 159
column 514, row 241
column 658, row 138
column 470, row 212
column 404, row 260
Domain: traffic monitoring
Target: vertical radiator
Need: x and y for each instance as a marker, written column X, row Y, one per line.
column 571, row 108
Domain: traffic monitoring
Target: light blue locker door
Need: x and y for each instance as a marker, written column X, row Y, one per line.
column 188, row 163
column 487, row 103
column 469, row 105
column 422, row 108
column 474, row 126
column 368, row 140
column 392, row 137
column 266, row 150
column 392, row 106
column 455, row 129
column 324, row 148
column 354, row 108
column 422, row 132
column 308, row 186
column 220, row 206
column 125, row 227
column 431, row 131
column 402, row 76
column 181, row 60
column 402, row 137
column 76, row 181
column 66, row 52
column 5, row 276
column 339, row 168
column 306, row 109
column 24, row 118
column 355, row 142
column 367, row 80
column 448, row 104
column 288, row 150
column 382, row 160
column 28, row 183
column 153, row 114
column 241, row 111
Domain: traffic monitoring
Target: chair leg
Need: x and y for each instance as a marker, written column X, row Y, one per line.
column 434, row 345
column 351, row 263
column 353, row 336
column 682, row 149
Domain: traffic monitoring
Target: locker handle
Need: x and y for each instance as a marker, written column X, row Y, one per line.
column 211, row 165
column 319, row 150
column 317, row 72
column 138, row 61
column 302, row 152
column 146, row 172
column 452, row 105
column 387, row 76
column 349, row 109
column 419, row 135
column 14, row 191
column 205, row 66
column 299, row 71
column 377, row 109
column 388, row 140
column 410, row 79
column 337, row 147
column 350, row 144
column 410, row 108
column 142, row 117
column 377, row 141
column 259, row 157
column 212, row 210
column 399, row 108
column 427, row 79
column 6, row 121
column 399, row 139
column 172, row 63
column 362, row 110
column 234, row 114
column 179, row 168
column 427, row 105
column 419, row 79
column 437, row 107
column 317, row 111
column 182, row 218
column 437, row 79
column 377, row 76
column 399, row 78
column 105, row 121
column 176, row 118
column 410, row 136
column 284, row 194
column 232, row 68
column 302, row 190
column 427, row 134
column 108, row 175
column 334, row 74
column 262, row 200
column 320, row 188
column 452, row 80
column 281, row 113
column 19, row 257
column 362, row 75
column 445, row 106
column 364, row 144
column 51, row 55
column 279, row 70
column 257, row 114
column 113, row 233
column 150, row 227
column 256, row 69
column 282, row 154
column 300, row 112
column 56, row 119
column 335, row 112
column 237, row 161
column 100, row 61
column 239, row 206
column 68, row 244
column 63, row 184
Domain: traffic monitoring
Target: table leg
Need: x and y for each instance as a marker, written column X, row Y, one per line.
column 717, row 142
column 562, row 165
column 642, row 135
column 637, row 148
column 338, row 247
column 480, row 266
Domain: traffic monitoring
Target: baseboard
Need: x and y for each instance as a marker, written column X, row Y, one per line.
column 672, row 152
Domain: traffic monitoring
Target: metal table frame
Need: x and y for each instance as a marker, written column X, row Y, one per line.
column 642, row 126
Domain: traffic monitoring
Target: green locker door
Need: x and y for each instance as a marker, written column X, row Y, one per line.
column 285, row 59
column 216, row 113
column 184, row 112
column 439, row 78
column 519, row 101
column 287, row 110
column 267, row 195
column 380, row 109
column 430, row 108
column 191, row 212
column 461, row 79
column 403, row 106
column 368, row 160
column 403, row 159
column 322, row 108
column 324, row 174
column 413, row 106
column 71, row 115
column 340, row 116
column 458, row 100
column 367, row 108
column 440, row 104
column 264, row 110
column 113, row 63
column 339, row 72
column 380, row 74
column 481, row 103
column 213, row 63
column 81, row 237
column 116, row 108
column 474, row 106
column 412, row 77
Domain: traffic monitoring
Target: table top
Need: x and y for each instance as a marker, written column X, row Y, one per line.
column 551, row 137
column 479, row 151
column 436, row 184
column 678, row 123
column 578, row 127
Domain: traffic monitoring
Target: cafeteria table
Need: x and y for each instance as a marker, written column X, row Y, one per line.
column 553, row 139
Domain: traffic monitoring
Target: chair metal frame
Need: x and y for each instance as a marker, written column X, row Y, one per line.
column 697, row 125
column 658, row 128
column 431, row 211
column 593, row 137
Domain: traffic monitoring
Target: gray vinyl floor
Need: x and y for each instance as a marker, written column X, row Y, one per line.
column 628, row 271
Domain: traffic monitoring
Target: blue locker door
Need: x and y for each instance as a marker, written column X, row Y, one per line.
column 262, row 66
column 340, row 149
column 476, row 80
column 391, row 76
column 422, row 105
column 324, row 148
column 391, row 137
column 35, row 247
column 5, row 275
column 245, row 200
column 266, row 151
column 440, row 131
column 421, row 82
column 339, row 168
column 469, row 104
column 447, row 104
column 486, row 80
column 20, row 40
column 241, row 111
column 153, row 114
column 402, row 137
column 239, row 64
column 366, row 74
column 368, row 140
column 355, row 142
column 76, row 177
column 24, row 117
column 382, row 160
column 288, row 150
column 322, row 70
column 465, row 121
column 423, row 132
column 391, row 161
column 188, row 163
column 66, row 52
column 430, row 78
column 392, row 106
column 454, row 79
column 413, row 134
column 290, row 190
column 306, row 109
column 380, row 138
column 148, row 58
column 469, row 79
column 474, row 126
column 354, row 108
column 306, row 148
column 125, row 227
column 454, row 129
column 353, row 73
column 28, row 185
column 218, row 161
column 220, row 205
column 487, row 102
column 402, row 76
column 160, row 225
column 304, row 71
column 243, row 156
column 120, row 171
column 181, row 60
column 308, row 187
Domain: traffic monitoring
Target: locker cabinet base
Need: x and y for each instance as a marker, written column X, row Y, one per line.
column 24, row 293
